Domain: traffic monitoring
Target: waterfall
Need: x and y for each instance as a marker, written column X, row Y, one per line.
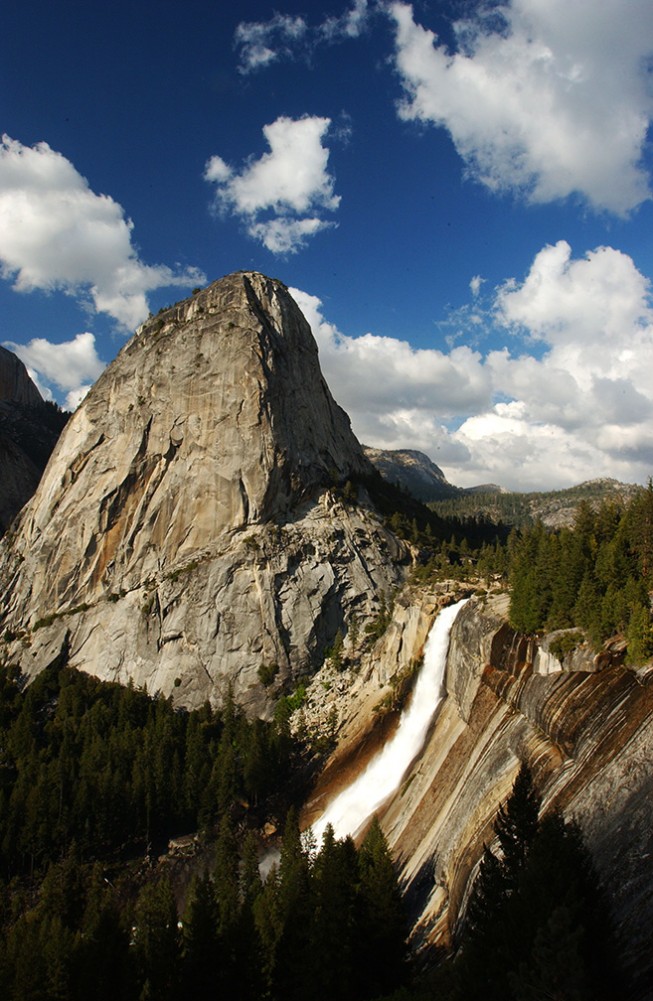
column 357, row 803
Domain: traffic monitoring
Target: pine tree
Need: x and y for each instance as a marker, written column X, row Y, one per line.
column 383, row 949
column 201, row 958
column 336, row 932
column 516, row 825
column 157, row 941
column 250, row 947
column 639, row 635
column 292, row 978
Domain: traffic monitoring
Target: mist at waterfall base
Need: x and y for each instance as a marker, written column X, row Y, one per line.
column 358, row 802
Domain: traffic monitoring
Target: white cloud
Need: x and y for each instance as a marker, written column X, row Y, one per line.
column 71, row 366
column 57, row 234
column 579, row 409
column 395, row 395
column 264, row 42
column 552, row 101
column 594, row 313
column 351, row 24
column 291, row 182
column 286, row 236
column 261, row 43
column 475, row 285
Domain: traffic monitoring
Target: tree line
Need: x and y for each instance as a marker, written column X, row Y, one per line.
column 94, row 778
column 597, row 575
column 325, row 923
column 109, row 767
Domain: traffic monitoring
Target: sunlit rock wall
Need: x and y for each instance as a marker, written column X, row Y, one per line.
column 186, row 532
column 588, row 738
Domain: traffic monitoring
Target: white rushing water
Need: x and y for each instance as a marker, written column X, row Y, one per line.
column 357, row 803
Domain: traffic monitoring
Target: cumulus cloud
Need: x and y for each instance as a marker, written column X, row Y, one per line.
column 282, row 196
column 58, row 234
column 71, row 366
column 545, row 99
column 261, row 43
column 398, row 396
column 581, row 407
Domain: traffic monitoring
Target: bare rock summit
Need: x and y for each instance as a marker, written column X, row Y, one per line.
column 189, row 531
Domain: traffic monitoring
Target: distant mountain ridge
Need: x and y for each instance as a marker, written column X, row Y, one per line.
column 416, row 473
column 554, row 508
column 413, row 471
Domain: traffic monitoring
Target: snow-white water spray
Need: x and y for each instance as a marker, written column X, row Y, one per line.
column 357, row 803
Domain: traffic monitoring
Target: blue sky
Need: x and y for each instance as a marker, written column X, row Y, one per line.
column 458, row 193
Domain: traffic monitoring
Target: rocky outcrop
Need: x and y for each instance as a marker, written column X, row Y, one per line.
column 583, row 723
column 29, row 429
column 587, row 736
column 15, row 383
column 188, row 530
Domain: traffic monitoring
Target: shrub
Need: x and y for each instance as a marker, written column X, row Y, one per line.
column 267, row 673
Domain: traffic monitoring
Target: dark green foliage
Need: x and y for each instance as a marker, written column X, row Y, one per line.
column 90, row 772
column 383, row 917
column 200, row 938
column 331, row 921
column 448, row 547
column 516, row 826
column 267, row 673
column 108, row 767
column 536, row 925
column 336, row 919
column 72, row 942
column 597, row 576
column 522, row 510
column 157, row 942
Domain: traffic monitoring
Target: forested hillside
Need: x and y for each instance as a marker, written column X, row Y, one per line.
column 94, row 779
column 598, row 575
column 555, row 508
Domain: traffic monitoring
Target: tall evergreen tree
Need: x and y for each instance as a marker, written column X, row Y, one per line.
column 201, row 957
column 157, row 943
column 383, row 951
column 292, row 978
column 516, row 825
column 337, row 933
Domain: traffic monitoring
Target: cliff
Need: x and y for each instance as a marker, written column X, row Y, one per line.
column 203, row 524
column 585, row 728
column 188, row 530
column 15, row 383
column 29, row 429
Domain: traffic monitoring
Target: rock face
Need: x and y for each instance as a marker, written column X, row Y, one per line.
column 586, row 731
column 29, row 429
column 15, row 383
column 188, row 530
